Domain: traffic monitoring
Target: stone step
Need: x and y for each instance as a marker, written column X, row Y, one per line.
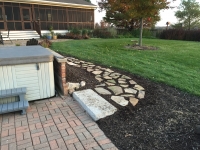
column 96, row 106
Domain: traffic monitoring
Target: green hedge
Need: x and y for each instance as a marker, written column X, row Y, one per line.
column 180, row 34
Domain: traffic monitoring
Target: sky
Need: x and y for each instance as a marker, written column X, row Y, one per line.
column 165, row 15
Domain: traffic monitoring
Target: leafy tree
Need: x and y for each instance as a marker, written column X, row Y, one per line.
column 133, row 13
column 189, row 14
column 177, row 26
column 88, row 1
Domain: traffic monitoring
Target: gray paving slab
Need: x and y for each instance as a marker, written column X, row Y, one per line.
column 96, row 106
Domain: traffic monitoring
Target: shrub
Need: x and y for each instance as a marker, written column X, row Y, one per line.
column 44, row 36
column 75, row 31
column 45, row 43
column 180, row 34
column 74, row 34
column 112, row 31
column 120, row 36
column 85, row 34
column 90, row 33
column 69, row 35
column 128, row 35
column 60, row 36
column 135, row 33
column 147, row 33
column 102, row 33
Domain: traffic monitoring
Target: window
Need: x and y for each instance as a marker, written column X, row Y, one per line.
column 16, row 13
column 18, row 25
column 36, row 14
column 64, row 16
column 48, row 25
column 65, row 26
column 43, row 26
column 26, row 14
column 55, row 25
column 61, row 26
column 1, row 14
column 10, row 25
column 8, row 13
column 27, row 25
column 79, row 16
column 15, row 4
column 72, row 16
column 60, row 15
column 42, row 15
column 84, row 16
column 1, row 25
column 55, row 15
column 88, row 17
column 25, row 5
column 48, row 15
column 8, row 4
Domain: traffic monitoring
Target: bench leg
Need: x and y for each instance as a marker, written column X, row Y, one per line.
column 23, row 112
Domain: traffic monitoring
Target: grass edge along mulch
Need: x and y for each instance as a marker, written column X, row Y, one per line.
column 175, row 63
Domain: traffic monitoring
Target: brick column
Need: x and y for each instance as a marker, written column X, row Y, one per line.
column 60, row 76
column 60, row 73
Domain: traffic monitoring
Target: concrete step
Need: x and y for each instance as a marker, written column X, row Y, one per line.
column 20, row 38
column 15, row 35
column 96, row 106
column 22, row 34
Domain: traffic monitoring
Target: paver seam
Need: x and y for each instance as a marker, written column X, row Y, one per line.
column 38, row 137
column 89, row 130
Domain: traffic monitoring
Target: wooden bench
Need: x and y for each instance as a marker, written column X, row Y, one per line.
column 22, row 104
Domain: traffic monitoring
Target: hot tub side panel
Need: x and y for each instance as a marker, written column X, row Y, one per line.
column 37, row 78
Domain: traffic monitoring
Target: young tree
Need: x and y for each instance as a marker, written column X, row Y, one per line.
column 133, row 13
column 189, row 13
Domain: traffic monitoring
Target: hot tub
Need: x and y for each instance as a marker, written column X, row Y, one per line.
column 27, row 66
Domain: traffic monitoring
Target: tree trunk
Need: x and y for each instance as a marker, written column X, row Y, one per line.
column 189, row 23
column 141, row 30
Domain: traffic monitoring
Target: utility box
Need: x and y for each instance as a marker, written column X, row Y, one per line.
column 27, row 66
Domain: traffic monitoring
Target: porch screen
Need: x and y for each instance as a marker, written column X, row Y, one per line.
column 51, row 16
column 62, row 18
column 1, row 19
column 81, row 18
column 12, row 16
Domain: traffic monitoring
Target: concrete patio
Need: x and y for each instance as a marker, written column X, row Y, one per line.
column 52, row 124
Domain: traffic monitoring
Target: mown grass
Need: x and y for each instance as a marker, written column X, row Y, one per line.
column 176, row 63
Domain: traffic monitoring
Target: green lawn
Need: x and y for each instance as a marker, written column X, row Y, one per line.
column 176, row 63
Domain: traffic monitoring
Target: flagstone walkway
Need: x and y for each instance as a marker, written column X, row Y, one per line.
column 52, row 124
column 121, row 88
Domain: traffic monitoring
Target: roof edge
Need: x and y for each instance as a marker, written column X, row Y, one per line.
column 41, row 2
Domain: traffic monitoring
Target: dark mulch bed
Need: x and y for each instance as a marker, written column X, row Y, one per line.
column 137, row 47
column 164, row 120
